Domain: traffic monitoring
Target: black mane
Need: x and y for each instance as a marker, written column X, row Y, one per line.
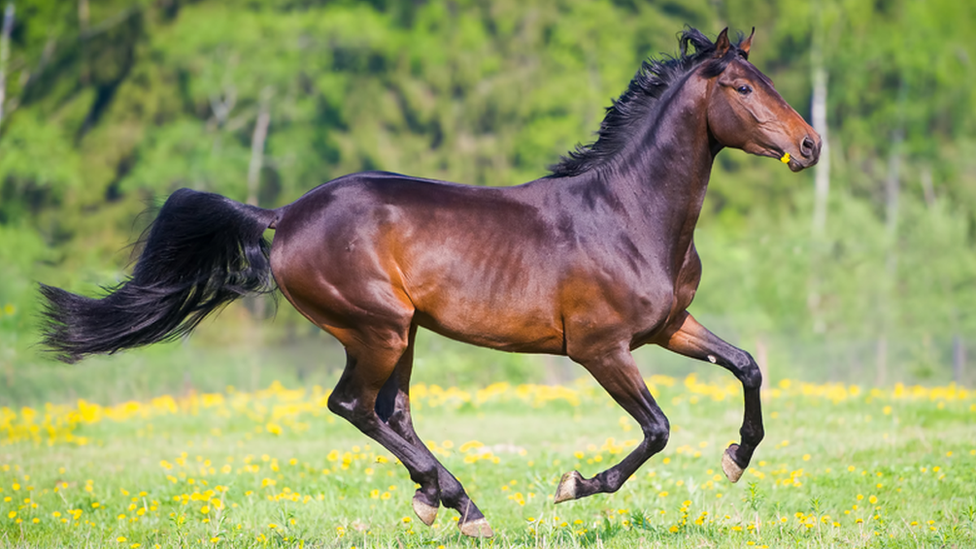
column 640, row 99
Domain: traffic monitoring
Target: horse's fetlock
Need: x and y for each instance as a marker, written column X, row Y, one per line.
column 451, row 495
column 426, row 477
column 751, row 376
column 752, row 435
column 657, row 435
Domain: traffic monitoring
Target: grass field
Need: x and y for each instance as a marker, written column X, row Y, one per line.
column 841, row 466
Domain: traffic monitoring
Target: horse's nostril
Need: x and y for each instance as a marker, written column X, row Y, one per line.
column 807, row 147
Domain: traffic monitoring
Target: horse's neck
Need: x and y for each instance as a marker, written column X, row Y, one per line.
column 665, row 172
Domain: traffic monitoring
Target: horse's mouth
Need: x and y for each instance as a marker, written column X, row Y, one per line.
column 795, row 162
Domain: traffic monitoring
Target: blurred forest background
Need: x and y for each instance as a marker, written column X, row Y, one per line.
column 860, row 270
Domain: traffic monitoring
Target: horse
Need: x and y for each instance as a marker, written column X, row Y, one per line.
column 590, row 262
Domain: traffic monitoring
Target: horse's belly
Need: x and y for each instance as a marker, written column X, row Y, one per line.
column 503, row 324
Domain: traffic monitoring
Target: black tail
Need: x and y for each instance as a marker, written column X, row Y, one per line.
column 202, row 252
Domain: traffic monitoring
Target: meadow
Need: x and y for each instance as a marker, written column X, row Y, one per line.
column 841, row 465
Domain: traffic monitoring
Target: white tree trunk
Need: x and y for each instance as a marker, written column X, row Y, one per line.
column 818, row 111
column 822, row 171
column 892, row 188
column 257, row 148
column 84, row 20
column 8, row 27
column 260, row 135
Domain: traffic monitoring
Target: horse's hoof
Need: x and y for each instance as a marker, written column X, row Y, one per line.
column 568, row 487
column 476, row 529
column 731, row 469
column 427, row 513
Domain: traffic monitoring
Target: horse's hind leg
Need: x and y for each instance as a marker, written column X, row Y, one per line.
column 691, row 339
column 393, row 407
column 618, row 374
column 369, row 364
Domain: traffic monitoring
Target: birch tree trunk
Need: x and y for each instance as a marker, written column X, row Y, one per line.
column 8, row 27
column 892, row 188
column 257, row 148
column 258, row 139
column 822, row 171
column 818, row 110
column 83, row 27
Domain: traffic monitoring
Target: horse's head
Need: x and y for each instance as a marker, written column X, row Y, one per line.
column 746, row 112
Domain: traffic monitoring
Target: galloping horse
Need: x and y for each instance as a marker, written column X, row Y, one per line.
column 590, row 262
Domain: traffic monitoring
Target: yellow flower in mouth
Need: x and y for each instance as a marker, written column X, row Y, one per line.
column 785, row 159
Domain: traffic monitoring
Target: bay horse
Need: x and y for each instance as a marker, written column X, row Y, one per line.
column 590, row 262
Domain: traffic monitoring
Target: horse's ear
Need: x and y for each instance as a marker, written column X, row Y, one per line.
column 747, row 43
column 722, row 43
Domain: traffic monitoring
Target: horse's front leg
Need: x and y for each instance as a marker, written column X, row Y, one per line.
column 618, row 374
column 689, row 338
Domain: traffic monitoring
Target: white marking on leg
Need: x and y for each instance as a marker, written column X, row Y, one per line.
column 711, row 358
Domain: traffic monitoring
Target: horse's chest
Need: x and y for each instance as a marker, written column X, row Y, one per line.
column 686, row 283
column 660, row 298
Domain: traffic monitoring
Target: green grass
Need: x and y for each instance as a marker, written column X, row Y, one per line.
column 839, row 468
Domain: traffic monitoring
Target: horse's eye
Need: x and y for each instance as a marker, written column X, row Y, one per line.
column 744, row 90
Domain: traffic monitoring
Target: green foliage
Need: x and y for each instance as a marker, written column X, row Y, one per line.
column 106, row 115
